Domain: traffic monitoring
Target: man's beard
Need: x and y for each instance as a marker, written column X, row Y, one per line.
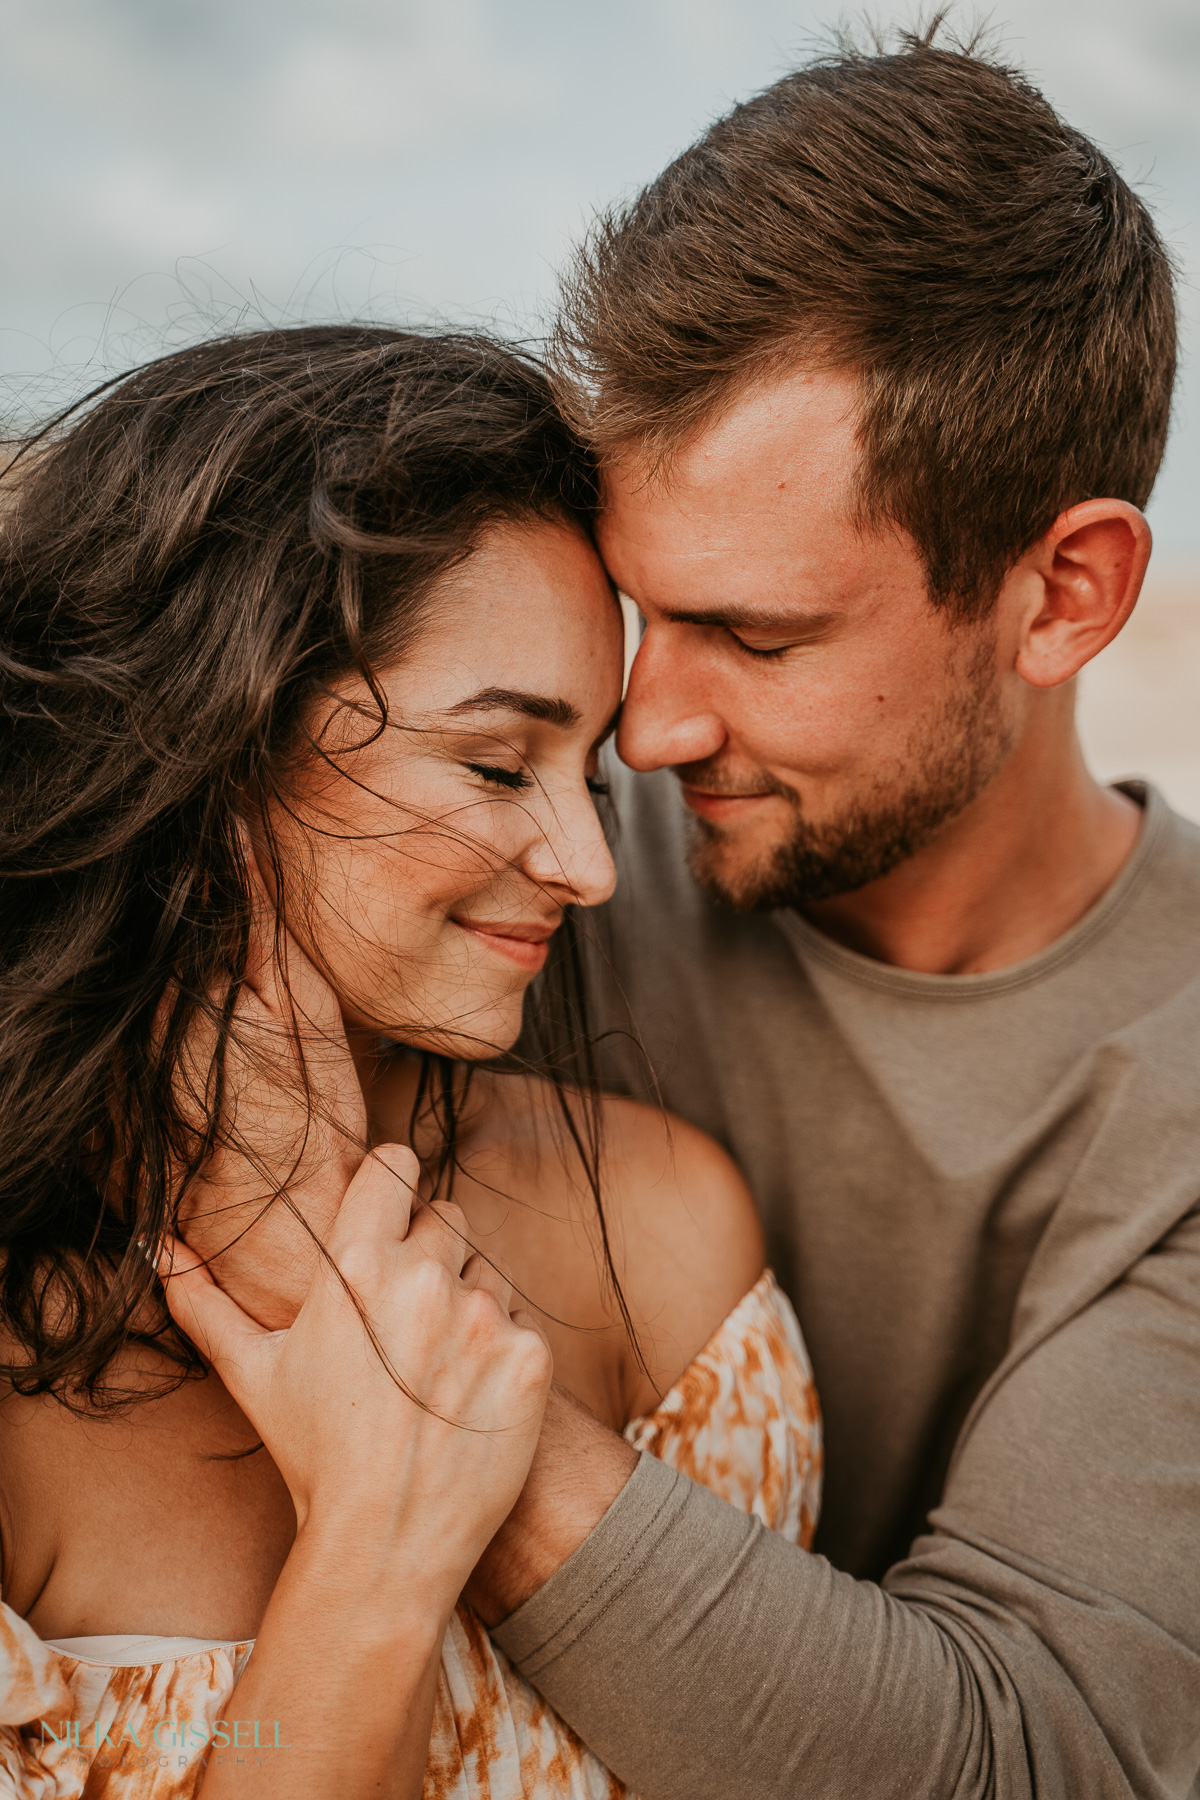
column 948, row 761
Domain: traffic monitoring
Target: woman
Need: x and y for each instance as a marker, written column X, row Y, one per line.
column 308, row 659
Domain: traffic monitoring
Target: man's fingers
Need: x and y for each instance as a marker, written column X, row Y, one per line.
column 224, row 1335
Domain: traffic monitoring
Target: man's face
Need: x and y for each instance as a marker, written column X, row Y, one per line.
column 823, row 718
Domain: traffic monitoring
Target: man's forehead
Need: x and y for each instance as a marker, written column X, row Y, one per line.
column 780, row 445
column 750, row 573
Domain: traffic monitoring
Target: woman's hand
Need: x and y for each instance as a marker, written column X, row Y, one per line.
column 293, row 1129
column 403, row 1405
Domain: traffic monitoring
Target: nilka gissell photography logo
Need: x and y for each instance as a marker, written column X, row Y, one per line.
column 166, row 1734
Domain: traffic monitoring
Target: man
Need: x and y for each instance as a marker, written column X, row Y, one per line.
column 879, row 373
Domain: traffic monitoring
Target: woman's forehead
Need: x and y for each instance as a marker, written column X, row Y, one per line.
column 529, row 624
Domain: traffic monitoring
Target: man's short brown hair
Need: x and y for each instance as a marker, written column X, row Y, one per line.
column 921, row 214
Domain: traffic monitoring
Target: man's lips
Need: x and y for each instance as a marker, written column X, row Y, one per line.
column 722, row 809
column 526, row 943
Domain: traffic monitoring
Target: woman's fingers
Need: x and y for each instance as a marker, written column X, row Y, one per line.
column 224, row 1335
column 441, row 1232
column 379, row 1211
column 377, row 1206
column 525, row 1321
column 489, row 1278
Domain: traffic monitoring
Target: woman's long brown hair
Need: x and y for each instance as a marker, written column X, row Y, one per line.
column 188, row 560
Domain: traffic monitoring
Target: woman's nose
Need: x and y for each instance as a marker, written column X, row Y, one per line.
column 665, row 721
column 570, row 855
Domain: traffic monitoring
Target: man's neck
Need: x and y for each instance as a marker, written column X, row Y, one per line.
column 1002, row 881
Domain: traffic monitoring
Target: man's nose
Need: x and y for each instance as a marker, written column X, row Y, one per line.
column 667, row 718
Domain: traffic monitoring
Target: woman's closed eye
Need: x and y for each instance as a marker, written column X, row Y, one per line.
column 513, row 779
column 516, row 780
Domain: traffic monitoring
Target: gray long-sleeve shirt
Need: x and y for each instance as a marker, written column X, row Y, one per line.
column 983, row 1195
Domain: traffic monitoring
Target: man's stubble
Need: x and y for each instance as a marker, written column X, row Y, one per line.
column 949, row 759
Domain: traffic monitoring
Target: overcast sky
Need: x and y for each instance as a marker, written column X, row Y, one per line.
column 173, row 165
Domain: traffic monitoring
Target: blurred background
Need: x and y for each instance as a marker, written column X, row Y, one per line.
column 176, row 167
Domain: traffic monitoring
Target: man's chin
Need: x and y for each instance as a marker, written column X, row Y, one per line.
column 801, row 869
column 735, row 874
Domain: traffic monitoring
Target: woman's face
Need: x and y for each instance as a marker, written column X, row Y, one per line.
column 434, row 862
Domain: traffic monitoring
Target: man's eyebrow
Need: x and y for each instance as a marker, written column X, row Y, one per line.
column 752, row 618
column 549, row 711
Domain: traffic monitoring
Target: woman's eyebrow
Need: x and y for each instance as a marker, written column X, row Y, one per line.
column 532, row 706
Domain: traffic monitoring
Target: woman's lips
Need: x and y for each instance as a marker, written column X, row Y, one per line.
column 527, row 945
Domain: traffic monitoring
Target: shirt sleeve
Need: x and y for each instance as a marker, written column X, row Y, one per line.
column 1043, row 1639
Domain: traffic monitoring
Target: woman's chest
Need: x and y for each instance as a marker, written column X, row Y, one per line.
column 148, row 1521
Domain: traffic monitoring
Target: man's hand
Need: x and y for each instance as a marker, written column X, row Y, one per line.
column 579, row 1468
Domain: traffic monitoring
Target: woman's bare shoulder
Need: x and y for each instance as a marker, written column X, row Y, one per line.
column 682, row 1228
column 691, row 1241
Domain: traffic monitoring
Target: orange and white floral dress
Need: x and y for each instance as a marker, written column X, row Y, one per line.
column 142, row 1718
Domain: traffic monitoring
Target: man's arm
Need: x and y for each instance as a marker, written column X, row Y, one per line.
column 1042, row 1640
column 579, row 1469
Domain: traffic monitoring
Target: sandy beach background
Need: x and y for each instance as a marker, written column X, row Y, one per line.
column 1139, row 702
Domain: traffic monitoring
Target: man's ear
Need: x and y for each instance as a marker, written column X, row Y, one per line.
column 1079, row 584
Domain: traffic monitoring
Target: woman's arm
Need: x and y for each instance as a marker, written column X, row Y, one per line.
column 347, row 1664
column 402, row 1408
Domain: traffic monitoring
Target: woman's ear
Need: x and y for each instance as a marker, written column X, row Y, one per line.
column 1080, row 582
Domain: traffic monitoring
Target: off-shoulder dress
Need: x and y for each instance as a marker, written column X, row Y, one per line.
column 128, row 1718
